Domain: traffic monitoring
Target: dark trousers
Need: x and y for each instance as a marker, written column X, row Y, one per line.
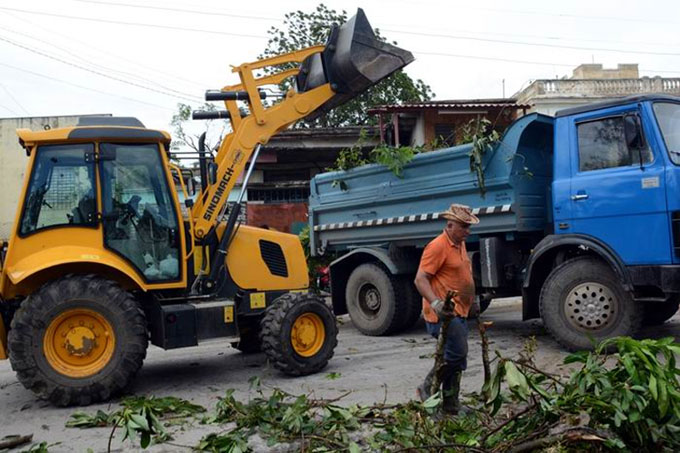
column 456, row 346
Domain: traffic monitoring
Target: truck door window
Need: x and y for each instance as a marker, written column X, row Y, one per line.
column 668, row 117
column 140, row 222
column 602, row 144
column 61, row 189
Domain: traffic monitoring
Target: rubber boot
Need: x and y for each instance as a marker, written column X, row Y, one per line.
column 424, row 390
column 451, row 390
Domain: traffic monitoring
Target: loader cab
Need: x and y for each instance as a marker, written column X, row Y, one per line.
column 101, row 195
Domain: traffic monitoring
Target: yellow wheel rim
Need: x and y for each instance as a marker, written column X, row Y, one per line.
column 308, row 334
column 79, row 343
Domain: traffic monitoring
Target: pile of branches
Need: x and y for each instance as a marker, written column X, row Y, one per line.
column 628, row 400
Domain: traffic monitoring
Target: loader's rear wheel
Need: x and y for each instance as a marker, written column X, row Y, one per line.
column 299, row 334
column 374, row 300
column 78, row 340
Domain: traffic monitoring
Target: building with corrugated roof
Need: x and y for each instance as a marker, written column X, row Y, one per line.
column 441, row 122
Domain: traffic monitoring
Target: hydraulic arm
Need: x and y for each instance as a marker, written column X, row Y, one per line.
column 352, row 60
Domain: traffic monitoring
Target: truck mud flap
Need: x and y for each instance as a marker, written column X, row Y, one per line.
column 353, row 60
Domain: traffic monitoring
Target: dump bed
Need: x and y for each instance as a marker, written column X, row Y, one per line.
column 375, row 207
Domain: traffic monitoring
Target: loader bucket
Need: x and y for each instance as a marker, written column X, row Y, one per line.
column 353, row 60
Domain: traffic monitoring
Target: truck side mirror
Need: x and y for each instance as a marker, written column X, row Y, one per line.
column 633, row 131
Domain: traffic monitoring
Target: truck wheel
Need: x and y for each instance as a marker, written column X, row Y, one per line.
column 78, row 340
column 299, row 334
column 583, row 299
column 657, row 313
column 373, row 300
column 414, row 306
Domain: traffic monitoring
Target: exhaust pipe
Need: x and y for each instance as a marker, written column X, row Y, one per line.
column 353, row 61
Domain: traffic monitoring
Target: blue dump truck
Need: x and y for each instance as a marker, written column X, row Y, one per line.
column 581, row 217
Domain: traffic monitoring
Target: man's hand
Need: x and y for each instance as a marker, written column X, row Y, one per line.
column 439, row 308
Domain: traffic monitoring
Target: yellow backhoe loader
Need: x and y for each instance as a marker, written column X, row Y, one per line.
column 104, row 258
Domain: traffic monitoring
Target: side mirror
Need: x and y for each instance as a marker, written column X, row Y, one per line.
column 632, row 127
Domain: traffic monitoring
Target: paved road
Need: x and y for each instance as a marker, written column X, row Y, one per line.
column 373, row 369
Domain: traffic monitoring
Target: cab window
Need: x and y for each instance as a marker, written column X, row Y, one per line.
column 61, row 190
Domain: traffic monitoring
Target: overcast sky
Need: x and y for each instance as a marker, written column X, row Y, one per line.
column 141, row 57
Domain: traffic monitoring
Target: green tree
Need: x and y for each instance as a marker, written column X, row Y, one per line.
column 301, row 30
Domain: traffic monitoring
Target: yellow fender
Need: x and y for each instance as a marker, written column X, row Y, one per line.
column 69, row 254
column 3, row 340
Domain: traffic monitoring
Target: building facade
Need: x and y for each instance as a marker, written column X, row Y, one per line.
column 592, row 83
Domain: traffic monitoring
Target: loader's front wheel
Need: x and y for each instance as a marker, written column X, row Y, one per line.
column 78, row 340
column 299, row 334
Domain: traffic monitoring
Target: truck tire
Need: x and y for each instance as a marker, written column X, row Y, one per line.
column 299, row 334
column 414, row 305
column 374, row 301
column 582, row 299
column 657, row 313
column 78, row 340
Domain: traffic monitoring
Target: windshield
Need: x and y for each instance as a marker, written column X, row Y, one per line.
column 668, row 117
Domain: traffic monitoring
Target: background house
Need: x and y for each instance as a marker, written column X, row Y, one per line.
column 592, row 83
column 441, row 122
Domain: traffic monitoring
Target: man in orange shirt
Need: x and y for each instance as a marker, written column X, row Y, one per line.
column 446, row 267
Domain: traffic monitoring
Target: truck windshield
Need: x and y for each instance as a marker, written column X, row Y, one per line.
column 668, row 117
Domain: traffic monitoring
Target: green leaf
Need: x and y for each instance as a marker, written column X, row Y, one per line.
column 354, row 448
column 516, row 380
column 139, row 422
column 145, row 440
column 652, row 387
column 663, row 398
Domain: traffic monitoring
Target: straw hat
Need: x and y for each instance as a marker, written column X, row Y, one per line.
column 460, row 213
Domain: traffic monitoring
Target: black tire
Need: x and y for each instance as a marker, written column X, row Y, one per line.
column 657, row 313
column 374, row 302
column 249, row 341
column 414, row 303
column 277, row 334
column 57, row 304
column 582, row 300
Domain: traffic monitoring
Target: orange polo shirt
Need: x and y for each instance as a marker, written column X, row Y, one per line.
column 450, row 267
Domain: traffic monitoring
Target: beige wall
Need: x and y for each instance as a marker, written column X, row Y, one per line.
column 13, row 161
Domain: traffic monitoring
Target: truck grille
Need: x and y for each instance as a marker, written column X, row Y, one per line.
column 273, row 257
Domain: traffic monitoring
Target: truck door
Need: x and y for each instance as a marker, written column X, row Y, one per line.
column 614, row 196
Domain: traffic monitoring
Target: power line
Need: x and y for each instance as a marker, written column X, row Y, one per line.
column 134, row 76
column 37, row 74
column 83, row 43
column 193, row 99
column 555, row 46
column 9, row 93
column 134, row 24
column 399, row 30
column 182, row 10
column 528, row 62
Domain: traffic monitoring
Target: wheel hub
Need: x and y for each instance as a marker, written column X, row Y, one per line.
column 591, row 306
column 308, row 334
column 369, row 297
column 79, row 343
